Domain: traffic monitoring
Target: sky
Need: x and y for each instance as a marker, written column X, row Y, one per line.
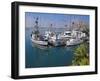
column 57, row 20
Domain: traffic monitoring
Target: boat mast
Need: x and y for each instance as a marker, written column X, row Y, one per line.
column 50, row 27
column 73, row 23
column 36, row 27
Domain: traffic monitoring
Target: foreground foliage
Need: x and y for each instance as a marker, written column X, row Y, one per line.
column 81, row 55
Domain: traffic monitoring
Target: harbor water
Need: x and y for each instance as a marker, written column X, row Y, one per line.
column 46, row 56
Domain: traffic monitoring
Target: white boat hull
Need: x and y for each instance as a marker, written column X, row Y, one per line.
column 44, row 43
column 73, row 42
column 57, row 42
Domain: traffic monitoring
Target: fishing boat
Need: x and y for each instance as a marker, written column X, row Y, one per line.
column 57, row 42
column 38, row 40
column 53, row 39
column 65, row 35
column 73, row 41
column 36, row 37
column 72, row 37
column 68, row 37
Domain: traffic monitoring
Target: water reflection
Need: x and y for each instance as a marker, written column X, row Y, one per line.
column 40, row 46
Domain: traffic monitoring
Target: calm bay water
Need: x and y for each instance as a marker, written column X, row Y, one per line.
column 40, row 56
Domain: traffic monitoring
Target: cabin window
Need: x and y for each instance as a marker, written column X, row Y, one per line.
column 68, row 34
